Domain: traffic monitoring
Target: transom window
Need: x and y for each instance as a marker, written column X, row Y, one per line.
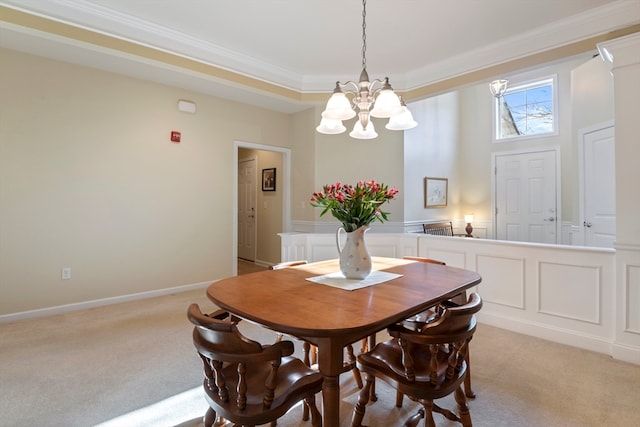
column 526, row 110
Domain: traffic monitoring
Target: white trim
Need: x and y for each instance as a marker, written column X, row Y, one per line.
column 548, row 332
column 66, row 308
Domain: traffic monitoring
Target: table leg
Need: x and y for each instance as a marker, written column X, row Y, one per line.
column 331, row 401
column 330, row 359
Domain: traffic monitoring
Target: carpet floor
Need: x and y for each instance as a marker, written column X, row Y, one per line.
column 133, row 364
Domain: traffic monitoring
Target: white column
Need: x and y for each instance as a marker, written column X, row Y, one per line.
column 624, row 53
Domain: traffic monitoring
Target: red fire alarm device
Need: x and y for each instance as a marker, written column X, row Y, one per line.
column 175, row 136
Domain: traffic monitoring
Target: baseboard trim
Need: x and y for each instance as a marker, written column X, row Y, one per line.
column 626, row 353
column 60, row 309
column 561, row 336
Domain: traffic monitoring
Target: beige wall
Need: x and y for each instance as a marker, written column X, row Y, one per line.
column 90, row 181
column 348, row 160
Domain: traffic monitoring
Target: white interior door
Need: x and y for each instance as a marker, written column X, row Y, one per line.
column 247, row 209
column 526, row 197
column 599, row 187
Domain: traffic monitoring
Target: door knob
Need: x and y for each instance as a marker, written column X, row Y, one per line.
column 587, row 224
column 550, row 219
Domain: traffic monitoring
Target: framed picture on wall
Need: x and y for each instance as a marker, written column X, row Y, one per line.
column 435, row 192
column 269, row 179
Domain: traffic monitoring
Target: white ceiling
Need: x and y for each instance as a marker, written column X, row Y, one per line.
column 306, row 45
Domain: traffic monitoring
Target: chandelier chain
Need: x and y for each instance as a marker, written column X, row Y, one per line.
column 364, row 34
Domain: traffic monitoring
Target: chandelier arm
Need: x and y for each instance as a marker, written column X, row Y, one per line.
column 372, row 86
column 350, row 86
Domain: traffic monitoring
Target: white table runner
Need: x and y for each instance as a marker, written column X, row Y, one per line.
column 337, row 280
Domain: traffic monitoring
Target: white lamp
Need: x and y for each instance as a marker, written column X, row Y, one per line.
column 359, row 132
column 330, row 126
column 498, row 87
column 403, row 120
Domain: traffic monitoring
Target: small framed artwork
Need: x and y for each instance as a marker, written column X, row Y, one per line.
column 435, row 192
column 269, row 179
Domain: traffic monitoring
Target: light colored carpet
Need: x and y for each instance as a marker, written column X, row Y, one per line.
column 134, row 364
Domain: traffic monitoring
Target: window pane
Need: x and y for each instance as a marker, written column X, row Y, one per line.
column 526, row 110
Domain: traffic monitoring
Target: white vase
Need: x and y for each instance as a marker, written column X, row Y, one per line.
column 355, row 262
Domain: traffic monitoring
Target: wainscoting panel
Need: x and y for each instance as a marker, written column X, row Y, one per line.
column 567, row 294
column 502, row 280
column 562, row 283
column 452, row 258
column 321, row 252
column 632, row 298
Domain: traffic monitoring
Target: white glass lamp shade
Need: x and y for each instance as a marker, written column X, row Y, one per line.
column 387, row 104
column 331, row 127
column 359, row 133
column 338, row 108
column 468, row 218
column 498, row 87
column 402, row 121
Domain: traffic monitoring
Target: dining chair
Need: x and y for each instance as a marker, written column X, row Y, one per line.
column 420, row 319
column 246, row 382
column 444, row 228
column 424, row 365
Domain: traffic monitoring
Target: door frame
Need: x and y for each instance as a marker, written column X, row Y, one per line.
column 285, row 179
column 494, row 200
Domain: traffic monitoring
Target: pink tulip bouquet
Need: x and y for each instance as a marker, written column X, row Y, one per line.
column 354, row 206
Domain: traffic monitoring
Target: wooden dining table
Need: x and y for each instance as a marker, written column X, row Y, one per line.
column 331, row 318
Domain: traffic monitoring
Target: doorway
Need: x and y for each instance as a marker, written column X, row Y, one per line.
column 526, row 196
column 284, row 186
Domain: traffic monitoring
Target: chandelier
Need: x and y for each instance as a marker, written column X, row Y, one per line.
column 369, row 99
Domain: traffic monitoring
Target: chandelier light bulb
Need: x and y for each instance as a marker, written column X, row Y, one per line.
column 359, row 132
column 331, row 127
column 338, row 107
column 403, row 120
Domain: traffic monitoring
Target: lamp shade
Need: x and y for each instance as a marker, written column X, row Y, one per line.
column 402, row 121
column 338, row 108
column 331, row 127
column 498, row 87
column 468, row 218
column 387, row 104
column 359, row 133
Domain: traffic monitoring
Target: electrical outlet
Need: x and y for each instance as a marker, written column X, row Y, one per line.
column 66, row 273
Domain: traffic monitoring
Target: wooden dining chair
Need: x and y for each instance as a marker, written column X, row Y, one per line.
column 444, row 228
column 419, row 320
column 246, row 382
column 424, row 365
